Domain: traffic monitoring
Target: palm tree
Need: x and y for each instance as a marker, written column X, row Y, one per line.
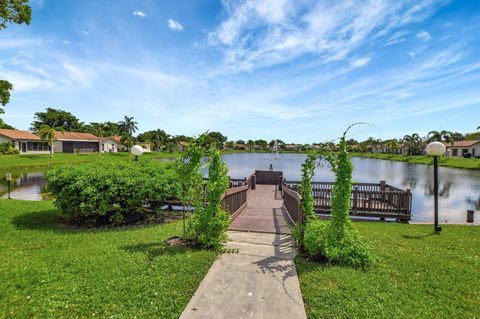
column 478, row 128
column 128, row 125
column 250, row 144
column 442, row 136
column 47, row 133
column 127, row 140
column 412, row 140
column 391, row 145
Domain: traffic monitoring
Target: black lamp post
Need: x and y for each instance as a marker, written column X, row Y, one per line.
column 436, row 149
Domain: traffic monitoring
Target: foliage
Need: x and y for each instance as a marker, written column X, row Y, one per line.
column 111, row 192
column 416, row 275
column 414, row 141
column 104, row 129
column 7, row 148
column 5, row 125
column 214, row 139
column 60, row 272
column 47, row 133
column 12, row 11
column 128, row 126
column 56, row 118
column 337, row 240
column 5, row 88
column 210, row 222
column 157, row 138
column 188, row 166
column 442, row 136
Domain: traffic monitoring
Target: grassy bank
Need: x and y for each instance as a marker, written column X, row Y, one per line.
column 466, row 163
column 25, row 161
column 48, row 271
column 415, row 275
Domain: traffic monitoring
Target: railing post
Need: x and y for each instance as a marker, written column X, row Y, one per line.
column 382, row 186
column 254, row 181
column 355, row 198
column 280, row 184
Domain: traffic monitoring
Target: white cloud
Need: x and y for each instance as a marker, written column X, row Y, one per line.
column 66, row 42
column 424, row 36
column 139, row 14
column 261, row 33
column 174, row 25
column 79, row 75
column 360, row 62
column 84, row 32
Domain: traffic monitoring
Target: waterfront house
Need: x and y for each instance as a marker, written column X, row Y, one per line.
column 464, row 149
column 24, row 141
column 76, row 142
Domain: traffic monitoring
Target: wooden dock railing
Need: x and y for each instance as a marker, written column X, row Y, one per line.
column 368, row 199
column 293, row 204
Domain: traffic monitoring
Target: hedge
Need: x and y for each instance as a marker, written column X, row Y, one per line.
column 112, row 192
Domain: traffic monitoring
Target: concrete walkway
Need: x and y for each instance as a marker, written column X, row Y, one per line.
column 260, row 281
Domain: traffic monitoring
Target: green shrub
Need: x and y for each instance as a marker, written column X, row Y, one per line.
column 112, row 192
column 7, row 148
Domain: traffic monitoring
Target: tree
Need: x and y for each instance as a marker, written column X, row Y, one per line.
column 47, row 133
column 391, row 144
column 262, row 144
column 413, row 141
column 128, row 125
column 12, row 11
column 456, row 136
column 215, row 139
column 250, row 144
column 56, row 118
column 442, row 136
column 5, row 125
column 230, row 145
column 157, row 138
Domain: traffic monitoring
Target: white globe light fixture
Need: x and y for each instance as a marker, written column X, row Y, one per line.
column 136, row 151
column 436, row 149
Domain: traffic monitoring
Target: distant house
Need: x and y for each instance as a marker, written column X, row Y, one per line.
column 110, row 144
column 240, row 146
column 182, row 145
column 293, row 147
column 463, row 148
column 73, row 142
column 24, row 141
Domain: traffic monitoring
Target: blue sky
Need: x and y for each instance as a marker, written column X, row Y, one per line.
column 298, row 70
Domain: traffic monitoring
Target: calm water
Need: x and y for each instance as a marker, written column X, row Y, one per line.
column 459, row 189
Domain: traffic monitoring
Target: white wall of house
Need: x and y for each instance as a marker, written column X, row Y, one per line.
column 108, row 146
column 460, row 151
column 58, row 146
column 18, row 145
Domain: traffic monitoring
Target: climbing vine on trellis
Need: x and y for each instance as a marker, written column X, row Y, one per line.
column 209, row 222
column 336, row 240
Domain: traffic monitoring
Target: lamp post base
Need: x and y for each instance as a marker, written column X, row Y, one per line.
column 438, row 229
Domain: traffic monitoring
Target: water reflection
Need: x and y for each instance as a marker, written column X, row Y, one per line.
column 459, row 189
column 25, row 185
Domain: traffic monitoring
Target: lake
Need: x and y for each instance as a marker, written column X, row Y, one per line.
column 459, row 189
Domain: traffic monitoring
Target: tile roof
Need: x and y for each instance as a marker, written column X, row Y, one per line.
column 117, row 139
column 75, row 136
column 463, row 143
column 19, row 135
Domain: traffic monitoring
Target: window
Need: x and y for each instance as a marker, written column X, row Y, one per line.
column 454, row 152
column 464, row 151
column 37, row 146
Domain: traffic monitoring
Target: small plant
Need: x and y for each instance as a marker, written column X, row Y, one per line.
column 7, row 148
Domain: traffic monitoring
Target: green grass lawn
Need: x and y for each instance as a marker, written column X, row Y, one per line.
column 415, row 275
column 24, row 161
column 467, row 163
column 49, row 271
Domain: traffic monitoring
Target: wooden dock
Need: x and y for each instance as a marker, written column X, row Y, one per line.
column 265, row 202
column 263, row 213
